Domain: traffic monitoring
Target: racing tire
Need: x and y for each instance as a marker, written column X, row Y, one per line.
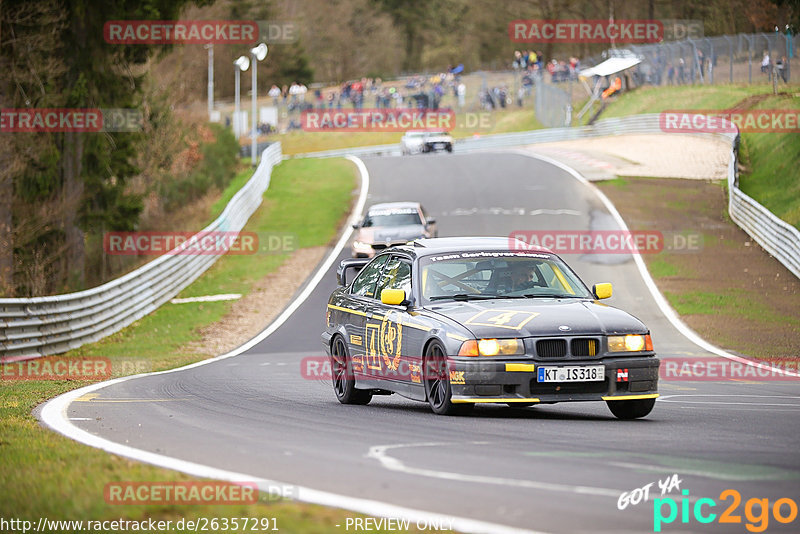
column 437, row 382
column 631, row 409
column 342, row 376
column 449, row 148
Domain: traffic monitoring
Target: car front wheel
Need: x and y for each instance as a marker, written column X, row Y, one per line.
column 631, row 409
column 437, row 382
column 342, row 374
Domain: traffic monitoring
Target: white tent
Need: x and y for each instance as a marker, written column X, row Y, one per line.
column 611, row 66
column 622, row 60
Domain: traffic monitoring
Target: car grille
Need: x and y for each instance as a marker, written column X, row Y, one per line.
column 584, row 347
column 551, row 348
column 580, row 347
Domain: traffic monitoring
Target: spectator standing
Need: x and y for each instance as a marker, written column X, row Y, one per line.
column 461, row 92
column 274, row 92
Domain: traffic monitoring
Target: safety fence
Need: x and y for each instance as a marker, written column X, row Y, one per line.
column 739, row 58
column 38, row 326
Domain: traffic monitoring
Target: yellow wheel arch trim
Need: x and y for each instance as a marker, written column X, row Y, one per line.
column 631, row 397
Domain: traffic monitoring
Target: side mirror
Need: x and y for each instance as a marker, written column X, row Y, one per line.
column 602, row 291
column 430, row 220
column 393, row 297
column 351, row 263
column 356, row 226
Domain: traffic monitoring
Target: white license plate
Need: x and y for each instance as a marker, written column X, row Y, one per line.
column 438, row 145
column 572, row 373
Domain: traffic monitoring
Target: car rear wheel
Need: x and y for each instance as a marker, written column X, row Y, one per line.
column 437, row 382
column 342, row 374
column 631, row 409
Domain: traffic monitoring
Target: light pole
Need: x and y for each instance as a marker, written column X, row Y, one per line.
column 258, row 53
column 241, row 65
column 210, row 48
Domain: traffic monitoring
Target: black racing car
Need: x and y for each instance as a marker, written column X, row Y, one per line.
column 461, row 321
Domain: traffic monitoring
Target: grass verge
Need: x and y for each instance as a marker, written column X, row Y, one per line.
column 46, row 475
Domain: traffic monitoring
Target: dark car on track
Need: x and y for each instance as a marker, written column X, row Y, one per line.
column 461, row 321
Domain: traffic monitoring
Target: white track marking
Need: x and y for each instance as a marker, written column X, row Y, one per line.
column 662, row 303
column 54, row 415
column 545, row 211
column 207, row 298
column 679, row 399
column 378, row 452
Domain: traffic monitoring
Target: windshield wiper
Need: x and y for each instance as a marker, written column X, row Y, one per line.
column 550, row 296
column 462, row 296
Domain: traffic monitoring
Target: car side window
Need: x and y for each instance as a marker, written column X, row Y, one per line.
column 364, row 284
column 396, row 275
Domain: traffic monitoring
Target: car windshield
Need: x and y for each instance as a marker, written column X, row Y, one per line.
column 397, row 217
column 512, row 274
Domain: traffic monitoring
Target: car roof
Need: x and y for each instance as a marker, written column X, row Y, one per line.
column 393, row 205
column 443, row 245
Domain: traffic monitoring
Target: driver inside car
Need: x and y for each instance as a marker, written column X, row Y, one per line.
column 523, row 276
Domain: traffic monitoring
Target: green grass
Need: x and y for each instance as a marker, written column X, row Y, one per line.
column 684, row 97
column 773, row 165
column 44, row 474
column 661, row 267
column 731, row 303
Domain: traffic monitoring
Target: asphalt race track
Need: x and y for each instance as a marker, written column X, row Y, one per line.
column 553, row 468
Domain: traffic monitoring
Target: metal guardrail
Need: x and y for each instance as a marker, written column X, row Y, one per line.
column 776, row 236
column 38, row 326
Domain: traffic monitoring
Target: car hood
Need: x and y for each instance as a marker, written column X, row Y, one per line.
column 391, row 234
column 538, row 317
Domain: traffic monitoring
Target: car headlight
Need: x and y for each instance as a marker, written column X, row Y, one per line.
column 630, row 343
column 361, row 246
column 492, row 347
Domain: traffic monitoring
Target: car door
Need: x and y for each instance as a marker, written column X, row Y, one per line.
column 360, row 300
column 393, row 339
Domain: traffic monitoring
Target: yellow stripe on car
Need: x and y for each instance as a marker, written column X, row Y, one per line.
column 477, row 400
column 348, row 310
column 631, row 397
column 520, row 367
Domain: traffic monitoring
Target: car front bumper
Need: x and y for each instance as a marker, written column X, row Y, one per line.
column 515, row 381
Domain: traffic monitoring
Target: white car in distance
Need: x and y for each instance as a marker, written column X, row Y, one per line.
column 421, row 142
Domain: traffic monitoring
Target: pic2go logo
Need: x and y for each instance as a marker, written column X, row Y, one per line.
column 782, row 510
